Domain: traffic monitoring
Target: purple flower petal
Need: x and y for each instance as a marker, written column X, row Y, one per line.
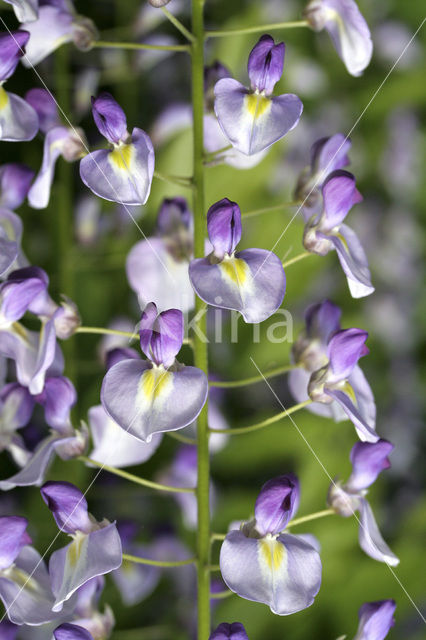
column 364, row 430
column 118, row 354
column 353, row 261
column 53, row 28
column 298, row 381
column 329, row 154
column 136, row 582
column 146, row 327
column 226, row 631
column 16, row 405
column 13, row 538
column 368, row 460
column 173, row 215
column 8, row 630
column 15, row 180
column 252, row 282
column 19, row 291
column 375, row 620
column 161, row 335
column 339, row 194
column 284, row 573
column 224, row 227
column 12, row 48
column 32, row 474
column 45, row 106
column 145, row 400
column 265, row 64
column 322, row 320
column 254, row 122
column 10, row 239
column 370, row 538
column 71, row 632
column 345, row 348
column 87, row 556
column 113, row 446
column 155, row 275
column 25, row 10
column 39, row 194
column 347, row 28
column 18, row 120
column 276, row 503
column 123, row 175
column 57, row 398
column 68, row 506
column 109, row 118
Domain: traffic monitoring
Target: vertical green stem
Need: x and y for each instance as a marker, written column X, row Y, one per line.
column 200, row 345
column 64, row 192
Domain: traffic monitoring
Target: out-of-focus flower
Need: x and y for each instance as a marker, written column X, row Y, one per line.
column 95, row 548
column 326, row 231
column 347, row 29
column 158, row 3
column 351, row 397
column 15, row 181
column 25, row 10
column 10, row 242
column 157, row 267
column 124, row 173
column 250, row 118
column 250, row 281
column 368, row 460
column 18, row 120
column 159, row 394
column 57, row 24
column 229, row 631
column 16, row 407
column 68, row 142
column 375, row 620
column 86, row 610
column 327, row 155
column 261, row 562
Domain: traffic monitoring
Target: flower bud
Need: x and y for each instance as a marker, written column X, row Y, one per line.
column 85, row 33
column 67, row 319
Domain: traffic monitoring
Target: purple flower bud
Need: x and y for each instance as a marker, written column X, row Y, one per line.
column 12, row 538
column 213, row 73
column 375, row 620
column 265, row 64
column 339, row 194
column 12, row 48
column 25, row 289
column 227, row 631
column 8, row 630
column 368, row 460
column 173, row 215
column 15, row 181
column 161, row 335
column 68, row 505
column 158, row 3
column 224, row 226
column 67, row 319
column 57, row 397
column 44, row 104
column 109, row 118
column 71, row 632
column 276, row 503
column 345, row 348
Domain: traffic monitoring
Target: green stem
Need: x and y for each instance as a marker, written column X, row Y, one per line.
column 200, row 345
column 116, row 332
column 177, row 23
column 311, row 516
column 180, row 438
column 221, row 594
column 257, row 29
column 300, row 256
column 276, row 207
column 181, row 181
column 217, row 537
column 103, row 44
column 264, row 423
column 135, row 479
column 159, row 563
column 247, row 381
column 208, row 157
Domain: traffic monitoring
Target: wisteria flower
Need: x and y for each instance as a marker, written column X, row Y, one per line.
column 327, row 155
column 157, row 267
column 57, row 24
column 18, row 120
column 16, row 407
column 24, row 582
column 25, row 10
column 95, row 548
column 124, row 173
column 326, row 231
column 69, row 631
column 250, row 281
column 227, row 631
column 368, row 460
column 253, row 119
column 60, row 140
column 375, row 620
column 86, row 612
column 328, row 372
column 347, row 29
column 15, row 181
column 11, row 255
column 261, row 562
column 159, row 394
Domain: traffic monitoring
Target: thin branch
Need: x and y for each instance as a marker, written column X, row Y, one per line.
column 135, row 479
column 116, row 332
column 311, row 516
column 276, row 207
column 300, row 256
column 247, row 381
column 257, row 29
column 103, row 44
column 221, row 594
column 159, row 563
column 178, row 24
column 264, row 423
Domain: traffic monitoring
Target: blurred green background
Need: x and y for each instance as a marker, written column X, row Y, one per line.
column 387, row 158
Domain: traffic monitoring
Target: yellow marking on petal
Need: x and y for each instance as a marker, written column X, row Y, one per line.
column 121, row 157
column 21, row 578
column 4, row 99
column 74, row 551
column 347, row 388
column 235, row 269
column 154, row 382
column 343, row 240
column 273, row 553
column 257, row 105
